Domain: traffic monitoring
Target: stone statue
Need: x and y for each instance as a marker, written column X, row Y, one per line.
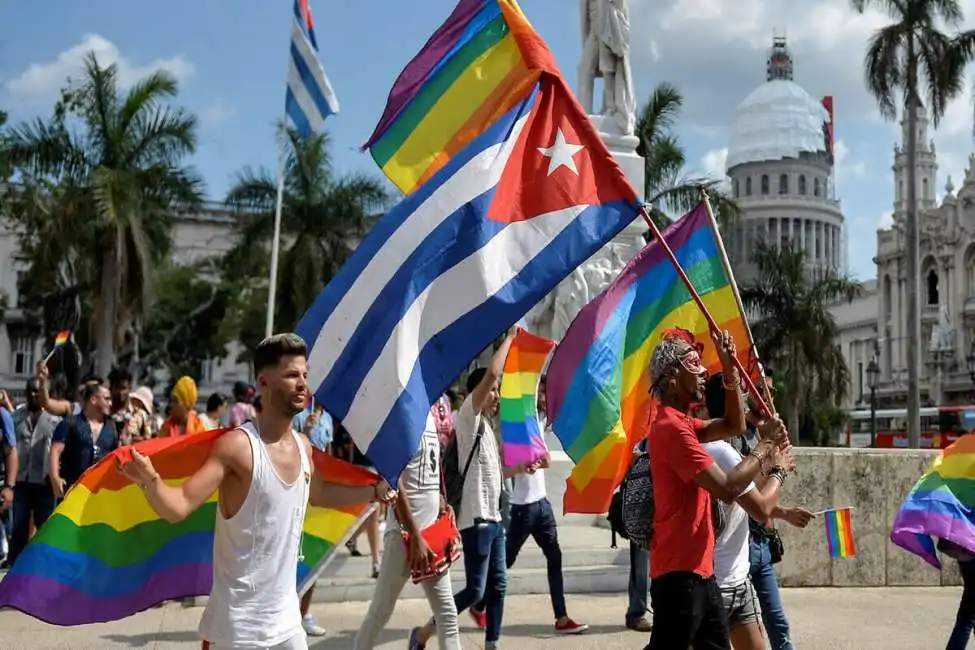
column 570, row 297
column 606, row 55
column 942, row 334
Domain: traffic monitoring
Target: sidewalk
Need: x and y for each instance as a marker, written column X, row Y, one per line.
column 823, row 619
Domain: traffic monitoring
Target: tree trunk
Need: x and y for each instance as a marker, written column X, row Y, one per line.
column 108, row 303
column 792, row 417
column 913, row 270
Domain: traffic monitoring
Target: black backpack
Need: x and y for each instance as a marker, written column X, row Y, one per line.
column 631, row 509
column 453, row 477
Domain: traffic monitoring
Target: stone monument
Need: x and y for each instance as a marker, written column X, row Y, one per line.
column 606, row 56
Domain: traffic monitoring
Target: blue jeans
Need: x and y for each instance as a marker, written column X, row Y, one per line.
column 487, row 574
column 536, row 520
column 767, row 587
column 31, row 500
column 965, row 619
column 639, row 583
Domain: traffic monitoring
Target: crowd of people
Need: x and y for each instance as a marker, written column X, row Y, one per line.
column 704, row 581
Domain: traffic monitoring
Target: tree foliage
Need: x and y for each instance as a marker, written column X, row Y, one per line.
column 795, row 331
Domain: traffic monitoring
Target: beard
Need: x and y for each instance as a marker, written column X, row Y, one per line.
column 285, row 403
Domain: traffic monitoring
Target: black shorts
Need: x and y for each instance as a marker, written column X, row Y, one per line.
column 687, row 613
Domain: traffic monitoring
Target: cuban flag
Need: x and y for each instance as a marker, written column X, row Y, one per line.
column 460, row 260
column 310, row 98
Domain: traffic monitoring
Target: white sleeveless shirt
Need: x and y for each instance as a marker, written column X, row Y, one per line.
column 254, row 598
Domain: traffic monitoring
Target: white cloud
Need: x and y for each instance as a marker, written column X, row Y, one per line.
column 846, row 167
column 886, row 220
column 41, row 82
column 714, row 163
column 216, row 113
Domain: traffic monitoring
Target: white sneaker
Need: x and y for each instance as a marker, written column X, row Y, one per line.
column 312, row 628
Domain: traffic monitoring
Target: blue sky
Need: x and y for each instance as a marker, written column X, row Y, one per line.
column 230, row 57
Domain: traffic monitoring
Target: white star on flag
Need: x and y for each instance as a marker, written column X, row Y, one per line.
column 561, row 154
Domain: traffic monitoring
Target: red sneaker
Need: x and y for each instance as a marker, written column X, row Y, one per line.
column 479, row 618
column 568, row 626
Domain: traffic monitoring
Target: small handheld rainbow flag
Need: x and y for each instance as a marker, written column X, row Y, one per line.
column 59, row 340
column 520, row 430
column 839, row 532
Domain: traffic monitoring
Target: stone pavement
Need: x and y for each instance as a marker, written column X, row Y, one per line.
column 904, row 618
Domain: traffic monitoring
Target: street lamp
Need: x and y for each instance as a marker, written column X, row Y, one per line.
column 873, row 380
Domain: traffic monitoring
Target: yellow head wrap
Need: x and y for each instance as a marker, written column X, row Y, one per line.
column 185, row 393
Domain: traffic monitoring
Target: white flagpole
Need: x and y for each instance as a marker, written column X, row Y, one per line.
column 276, row 239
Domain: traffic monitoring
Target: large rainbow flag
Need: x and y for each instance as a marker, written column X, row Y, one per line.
column 104, row 554
column 521, row 434
column 941, row 505
column 598, row 380
column 471, row 72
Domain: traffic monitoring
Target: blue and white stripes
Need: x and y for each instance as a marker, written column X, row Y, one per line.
column 310, row 98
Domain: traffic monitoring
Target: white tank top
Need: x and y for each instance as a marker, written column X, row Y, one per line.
column 254, row 598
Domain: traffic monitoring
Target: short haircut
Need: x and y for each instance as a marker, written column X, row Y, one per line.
column 271, row 350
column 475, row 378
column 119, row 375
column 215, row 401
column 90, row 390
column 714, row 396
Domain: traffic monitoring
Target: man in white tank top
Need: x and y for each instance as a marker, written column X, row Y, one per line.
column 265, row 478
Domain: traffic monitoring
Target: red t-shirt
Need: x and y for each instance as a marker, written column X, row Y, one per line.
column 683, row 538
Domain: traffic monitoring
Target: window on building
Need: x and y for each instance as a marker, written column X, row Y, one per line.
column 860, row 380
column 783, row 183
column 817, row 187
column 21, row 290
column 932, row 286
column 900, row 190
column 22, row 357
column 764, row 184
column 802, row 184
column 970, row 271
column 926, row 191
column 887, row 296
column 748, row 186
column 736, row 188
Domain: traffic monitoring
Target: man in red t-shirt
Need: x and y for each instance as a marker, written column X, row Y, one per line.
column 687, row 608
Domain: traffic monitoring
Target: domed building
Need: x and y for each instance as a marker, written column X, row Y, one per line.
column 780, row 165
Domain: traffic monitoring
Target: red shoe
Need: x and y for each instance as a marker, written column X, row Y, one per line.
column 568, row 626
column 479, row 618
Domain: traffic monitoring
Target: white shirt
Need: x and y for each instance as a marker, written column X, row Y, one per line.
column 529, row 488
column 731, row 546
column 482, row 489
column 421, row 478
column 254, row 598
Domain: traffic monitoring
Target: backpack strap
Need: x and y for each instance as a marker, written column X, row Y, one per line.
column 474, row 448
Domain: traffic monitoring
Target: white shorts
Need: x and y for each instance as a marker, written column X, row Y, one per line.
column 298, row 642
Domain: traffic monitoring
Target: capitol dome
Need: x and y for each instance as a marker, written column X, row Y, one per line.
column 777, row 120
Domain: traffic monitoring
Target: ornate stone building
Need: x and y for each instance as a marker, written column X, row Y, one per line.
column 780, row 167
column 875, row 325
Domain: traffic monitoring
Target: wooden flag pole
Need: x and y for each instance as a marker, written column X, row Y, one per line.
column 741, row 306
column 712, row 325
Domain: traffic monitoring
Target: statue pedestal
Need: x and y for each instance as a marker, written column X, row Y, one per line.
column 623, row 147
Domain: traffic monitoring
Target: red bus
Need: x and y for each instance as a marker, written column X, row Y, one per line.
column 940, row 426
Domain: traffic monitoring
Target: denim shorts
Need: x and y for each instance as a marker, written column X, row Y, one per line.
column 741, row 604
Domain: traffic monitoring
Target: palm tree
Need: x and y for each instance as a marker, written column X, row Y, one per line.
column 664, row 160
column 117, row 181
column 322, row 220
column 796, row 331
column 898, row 57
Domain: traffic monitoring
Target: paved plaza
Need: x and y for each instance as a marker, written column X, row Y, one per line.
column 905, row 618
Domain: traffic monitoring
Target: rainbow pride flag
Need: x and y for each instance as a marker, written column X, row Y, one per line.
column 839, row 532
column 62, row 338
column 598, row 380
column 521, row 432
column 941, row 505
column 104, row 554
column 473, row 70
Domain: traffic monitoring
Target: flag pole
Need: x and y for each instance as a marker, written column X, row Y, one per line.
column 734, row 288
column 276, row 238
column 712, row 325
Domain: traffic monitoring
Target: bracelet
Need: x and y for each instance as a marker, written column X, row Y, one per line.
column 778, row 473
column 734, row 386
column 145, row 486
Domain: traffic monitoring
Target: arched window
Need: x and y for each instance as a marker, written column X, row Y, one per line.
column 932, row 288
column 802, row 184
column 817, row 189
column 783, row 183
column 748, row 186
column 764, row 184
